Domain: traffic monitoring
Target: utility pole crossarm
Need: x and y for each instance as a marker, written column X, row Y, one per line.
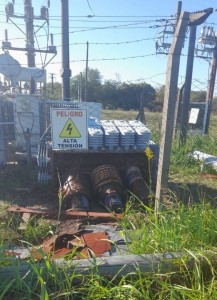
column 26, row 49
column 170, row 105
column 30, row 34
column 197, row 18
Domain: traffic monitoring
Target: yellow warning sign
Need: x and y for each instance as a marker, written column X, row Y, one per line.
column 70, row 130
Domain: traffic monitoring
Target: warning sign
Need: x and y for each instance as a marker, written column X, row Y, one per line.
column 69, row 129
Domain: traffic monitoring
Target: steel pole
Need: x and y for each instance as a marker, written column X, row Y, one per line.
column 66, row 72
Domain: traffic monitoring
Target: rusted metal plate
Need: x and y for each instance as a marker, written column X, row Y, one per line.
column 77, row 242
column 68, row 213
column 209, row 176
column 90, row 244
column 37, row 253
column 97, row 242
column 22, row 210
column 90, row 214
column 79, row 245
column 82, row 253
column 61, row 253
column 50, row 241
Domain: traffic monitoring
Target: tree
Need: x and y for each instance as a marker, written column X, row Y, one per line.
column 77, row 87
column 54, row 92
column 110, row 94
column 198, row 96
column 159, row 100
column 132, row 94
column 126, row 96
column 94, row 84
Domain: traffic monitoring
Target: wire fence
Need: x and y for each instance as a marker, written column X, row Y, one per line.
column 25, row 125
column 31, row 171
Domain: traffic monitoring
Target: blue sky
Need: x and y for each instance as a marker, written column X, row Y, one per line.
column 121, row 36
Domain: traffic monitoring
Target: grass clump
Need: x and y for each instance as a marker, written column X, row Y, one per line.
column 50, row 282
column 182, row 161
column 185, row 227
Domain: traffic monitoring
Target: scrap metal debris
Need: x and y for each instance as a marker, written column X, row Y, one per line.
column 51, row 214
column 205, row 159
column 72, row 239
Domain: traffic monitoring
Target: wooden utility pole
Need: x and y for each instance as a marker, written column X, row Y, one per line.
column 169, row 106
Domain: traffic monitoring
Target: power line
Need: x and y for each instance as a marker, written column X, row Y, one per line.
column 117, row 16
column 109, row 43
column 119, row 27
column 114, row 59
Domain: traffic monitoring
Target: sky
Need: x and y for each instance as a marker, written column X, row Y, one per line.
column 121, row 36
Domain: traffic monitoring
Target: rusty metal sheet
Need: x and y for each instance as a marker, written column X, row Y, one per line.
column 22, row 210
column 69, row 213
column 76, row 242
column 209, row 176
column 97, row 242
column 50, row 241
column 82, row 253
column 91, row 244
column 61, row 253
column 37, row 253
column 90, row 214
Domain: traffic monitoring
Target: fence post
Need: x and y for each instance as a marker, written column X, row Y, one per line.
column 169, row 106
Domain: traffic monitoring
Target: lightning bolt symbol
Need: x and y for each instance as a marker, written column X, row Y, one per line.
column 69, row 129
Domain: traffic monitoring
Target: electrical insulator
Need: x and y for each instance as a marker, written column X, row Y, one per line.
column 6, row 35
column 203, row 32
column 210, row 31
column 44, row 12
column 9, row 9
column 51, row 39
column 28, row 2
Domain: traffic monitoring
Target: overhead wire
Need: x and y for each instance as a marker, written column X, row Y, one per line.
column 130, row 25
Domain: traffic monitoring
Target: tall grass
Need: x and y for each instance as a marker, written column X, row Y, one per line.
column 182, row 227
column 193, row 227
column 181, row 158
